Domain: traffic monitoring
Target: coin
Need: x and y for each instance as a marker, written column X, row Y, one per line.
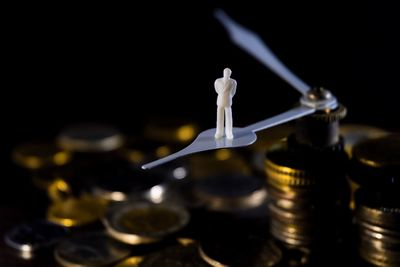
column 37, row 156
column 144, row 222
column 231, row 192
column 130, row 262
column 379, row 152
column 28, row 238
column 90, row 138
column 238, row 250
column 355, row 133
column 175, row 256
column 380, row 257
column 117, row 184
column 171, row 130
column 76, row 211
column 90, row 249
column 139, row 150
column 379, row 208
column 222, row 161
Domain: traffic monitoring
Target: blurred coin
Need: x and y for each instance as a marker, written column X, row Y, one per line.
column 231, row 192
column 379, row 152
column 378, row 208
column 28, row 238
column 355, row 133
column 240, row 250
column 139, row 150
column 143, row 222
column 117, row 184
column 130, row 262
column 385, row 258
column 171, row 130
column 90, row 138
column 90, row 250
column 175, row 256
column 76, row 211
column 221, row 161
column 293, row 234
column 37, row 156
column 59, row 190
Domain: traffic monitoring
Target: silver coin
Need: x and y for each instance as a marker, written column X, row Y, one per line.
column 231, row 192
column 90, row 250
column 90, row 138
column 141, row 222
column 28, row 238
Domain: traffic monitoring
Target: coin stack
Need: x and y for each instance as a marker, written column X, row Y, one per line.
column 376, row 170
column 306, row 178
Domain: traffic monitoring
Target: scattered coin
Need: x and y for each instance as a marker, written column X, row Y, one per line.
column 28, row 238
column 90, row 138
column 144, row 222
column 231, row 192
column 171, row 130
column 175, row 256
column 37, row 156
column 76, row 211
column 91, row 249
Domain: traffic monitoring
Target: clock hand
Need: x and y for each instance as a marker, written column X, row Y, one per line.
column 252, row 44
column 243, row 136
column 249, row 41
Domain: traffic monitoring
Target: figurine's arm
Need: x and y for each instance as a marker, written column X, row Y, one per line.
column 233, row 91
column 218, row 86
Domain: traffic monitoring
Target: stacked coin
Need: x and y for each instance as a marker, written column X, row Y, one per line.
column 376, row 170
column 308, row 195
column 378, row 221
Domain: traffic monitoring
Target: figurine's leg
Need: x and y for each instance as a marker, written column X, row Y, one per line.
column 228, row 123
column 220, row 123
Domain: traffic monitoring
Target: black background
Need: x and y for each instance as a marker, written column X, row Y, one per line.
column 125, row 64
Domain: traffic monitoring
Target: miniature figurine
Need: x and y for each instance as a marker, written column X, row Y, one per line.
column 226, row 89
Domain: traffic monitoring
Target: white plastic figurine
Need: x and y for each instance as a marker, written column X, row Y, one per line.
column 226, row 89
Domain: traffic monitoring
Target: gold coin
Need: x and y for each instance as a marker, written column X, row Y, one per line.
column 59, row 190
column 76, row 211
column 171, row 130
column 355, row 133
column 222, row 161
column 130, row 262
column 144, row 222
column 139, row 150
column 379, row 152
column 39, row 156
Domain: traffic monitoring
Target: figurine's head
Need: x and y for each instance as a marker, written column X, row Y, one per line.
column 227, row 73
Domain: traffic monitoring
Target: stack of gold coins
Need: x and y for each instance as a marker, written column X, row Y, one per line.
column 378, row 221
column 376, row 170
column 308, row 193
